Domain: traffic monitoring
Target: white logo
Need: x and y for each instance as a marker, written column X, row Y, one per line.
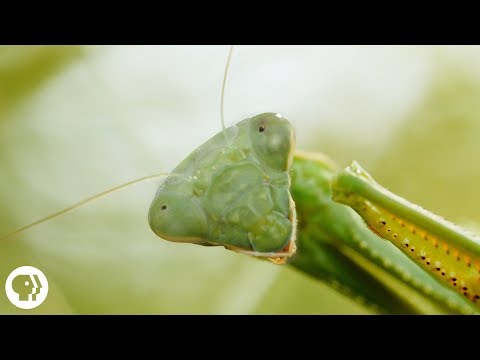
column 26, row 287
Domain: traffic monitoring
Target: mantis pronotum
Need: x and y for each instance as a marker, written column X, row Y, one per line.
column 343, row 250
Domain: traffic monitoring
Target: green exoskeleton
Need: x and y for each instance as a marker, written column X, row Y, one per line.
column 449, row 252
column 234, row 191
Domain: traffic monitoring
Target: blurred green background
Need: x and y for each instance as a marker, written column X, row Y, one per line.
column 77, row 120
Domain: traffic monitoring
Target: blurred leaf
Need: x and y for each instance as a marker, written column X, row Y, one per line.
column 23, row 69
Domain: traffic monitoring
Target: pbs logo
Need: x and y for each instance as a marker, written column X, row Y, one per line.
column 26, row 287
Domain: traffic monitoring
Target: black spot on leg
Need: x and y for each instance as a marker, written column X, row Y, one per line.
column 423, row 257
column 465, row 288
column 454, row 279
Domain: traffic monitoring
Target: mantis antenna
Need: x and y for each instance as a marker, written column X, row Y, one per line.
column 223, row 85
column 82, row 203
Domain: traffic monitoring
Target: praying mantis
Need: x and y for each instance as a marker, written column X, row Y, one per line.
column 337, row 247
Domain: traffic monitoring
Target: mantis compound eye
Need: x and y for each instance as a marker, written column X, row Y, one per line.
column 273, row 139
column 176, row 217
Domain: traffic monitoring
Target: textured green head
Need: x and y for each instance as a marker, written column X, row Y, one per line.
column 233, row 190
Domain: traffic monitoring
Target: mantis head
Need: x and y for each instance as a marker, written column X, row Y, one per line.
column 233, row 191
